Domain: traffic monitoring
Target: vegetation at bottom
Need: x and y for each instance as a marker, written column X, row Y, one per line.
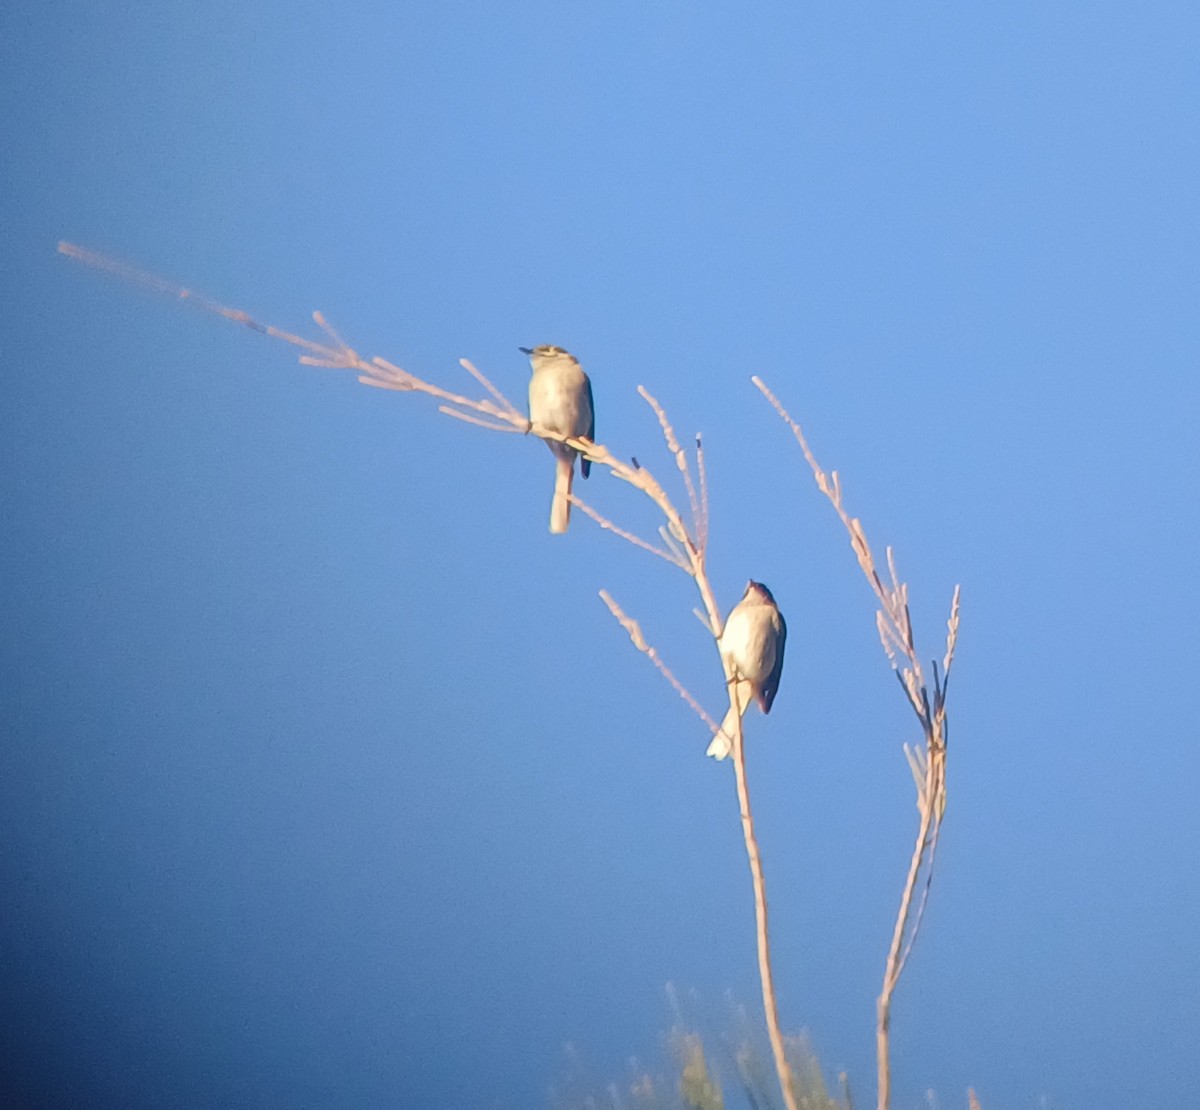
column 728, row 1071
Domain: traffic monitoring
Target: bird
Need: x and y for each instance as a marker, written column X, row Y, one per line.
column 751, row 646
column 560, row 400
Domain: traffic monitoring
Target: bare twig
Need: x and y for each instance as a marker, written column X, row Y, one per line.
column 934, row 836
column 681, row 460
column 386, row 375
column 894, row 624
column 479, row 422
column 637, row 541
column 782, row 1067
column 639, row 641
column 469, row 367
column 323, row 323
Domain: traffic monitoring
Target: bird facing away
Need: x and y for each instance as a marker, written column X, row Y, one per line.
column 560, row 400
column 752, row 650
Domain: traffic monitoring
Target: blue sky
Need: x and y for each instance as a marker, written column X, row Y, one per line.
column 327, row 780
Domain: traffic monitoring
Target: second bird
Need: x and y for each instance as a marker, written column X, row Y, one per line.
column 560, row 400
column 751, row 646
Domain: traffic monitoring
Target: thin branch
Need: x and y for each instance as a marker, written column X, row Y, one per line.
column 189, row 296
column 637, row 541
column 639, row 641
column 782, row 1067
column 387, row 375
column 467, row 418
column 890, row 638
column 894, row 624
column 320, row 320
column 674, row 547
column 891, row 974
column 935, row 836
column 681, row 459
column 478, row 375
column 951, row 634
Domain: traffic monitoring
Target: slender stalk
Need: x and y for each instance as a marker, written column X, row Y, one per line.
column 894, row 623
column 782, row 1068
column 891, row 975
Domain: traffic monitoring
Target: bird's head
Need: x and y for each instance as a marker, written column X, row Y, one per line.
column 547, row 355
column 757, row 589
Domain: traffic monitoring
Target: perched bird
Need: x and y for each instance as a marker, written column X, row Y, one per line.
column 752, row 650
column 560, row 400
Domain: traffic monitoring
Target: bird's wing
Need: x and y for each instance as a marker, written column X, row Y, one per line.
column 585, row 465
column 768, row 690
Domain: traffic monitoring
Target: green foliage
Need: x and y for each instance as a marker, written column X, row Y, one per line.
column 699, row 1090
column 696, row 1084
column 808, row 1083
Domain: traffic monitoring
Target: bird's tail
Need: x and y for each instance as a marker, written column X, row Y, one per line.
column 560, row 509
column 722, row 743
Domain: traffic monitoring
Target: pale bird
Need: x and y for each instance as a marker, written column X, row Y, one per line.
column 752, row 650
column 560, row 400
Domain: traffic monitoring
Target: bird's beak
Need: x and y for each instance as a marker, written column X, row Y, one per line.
column 525, row 350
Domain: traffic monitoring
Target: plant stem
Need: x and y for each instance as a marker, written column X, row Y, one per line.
column 782, row 1067
column 891, row 974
